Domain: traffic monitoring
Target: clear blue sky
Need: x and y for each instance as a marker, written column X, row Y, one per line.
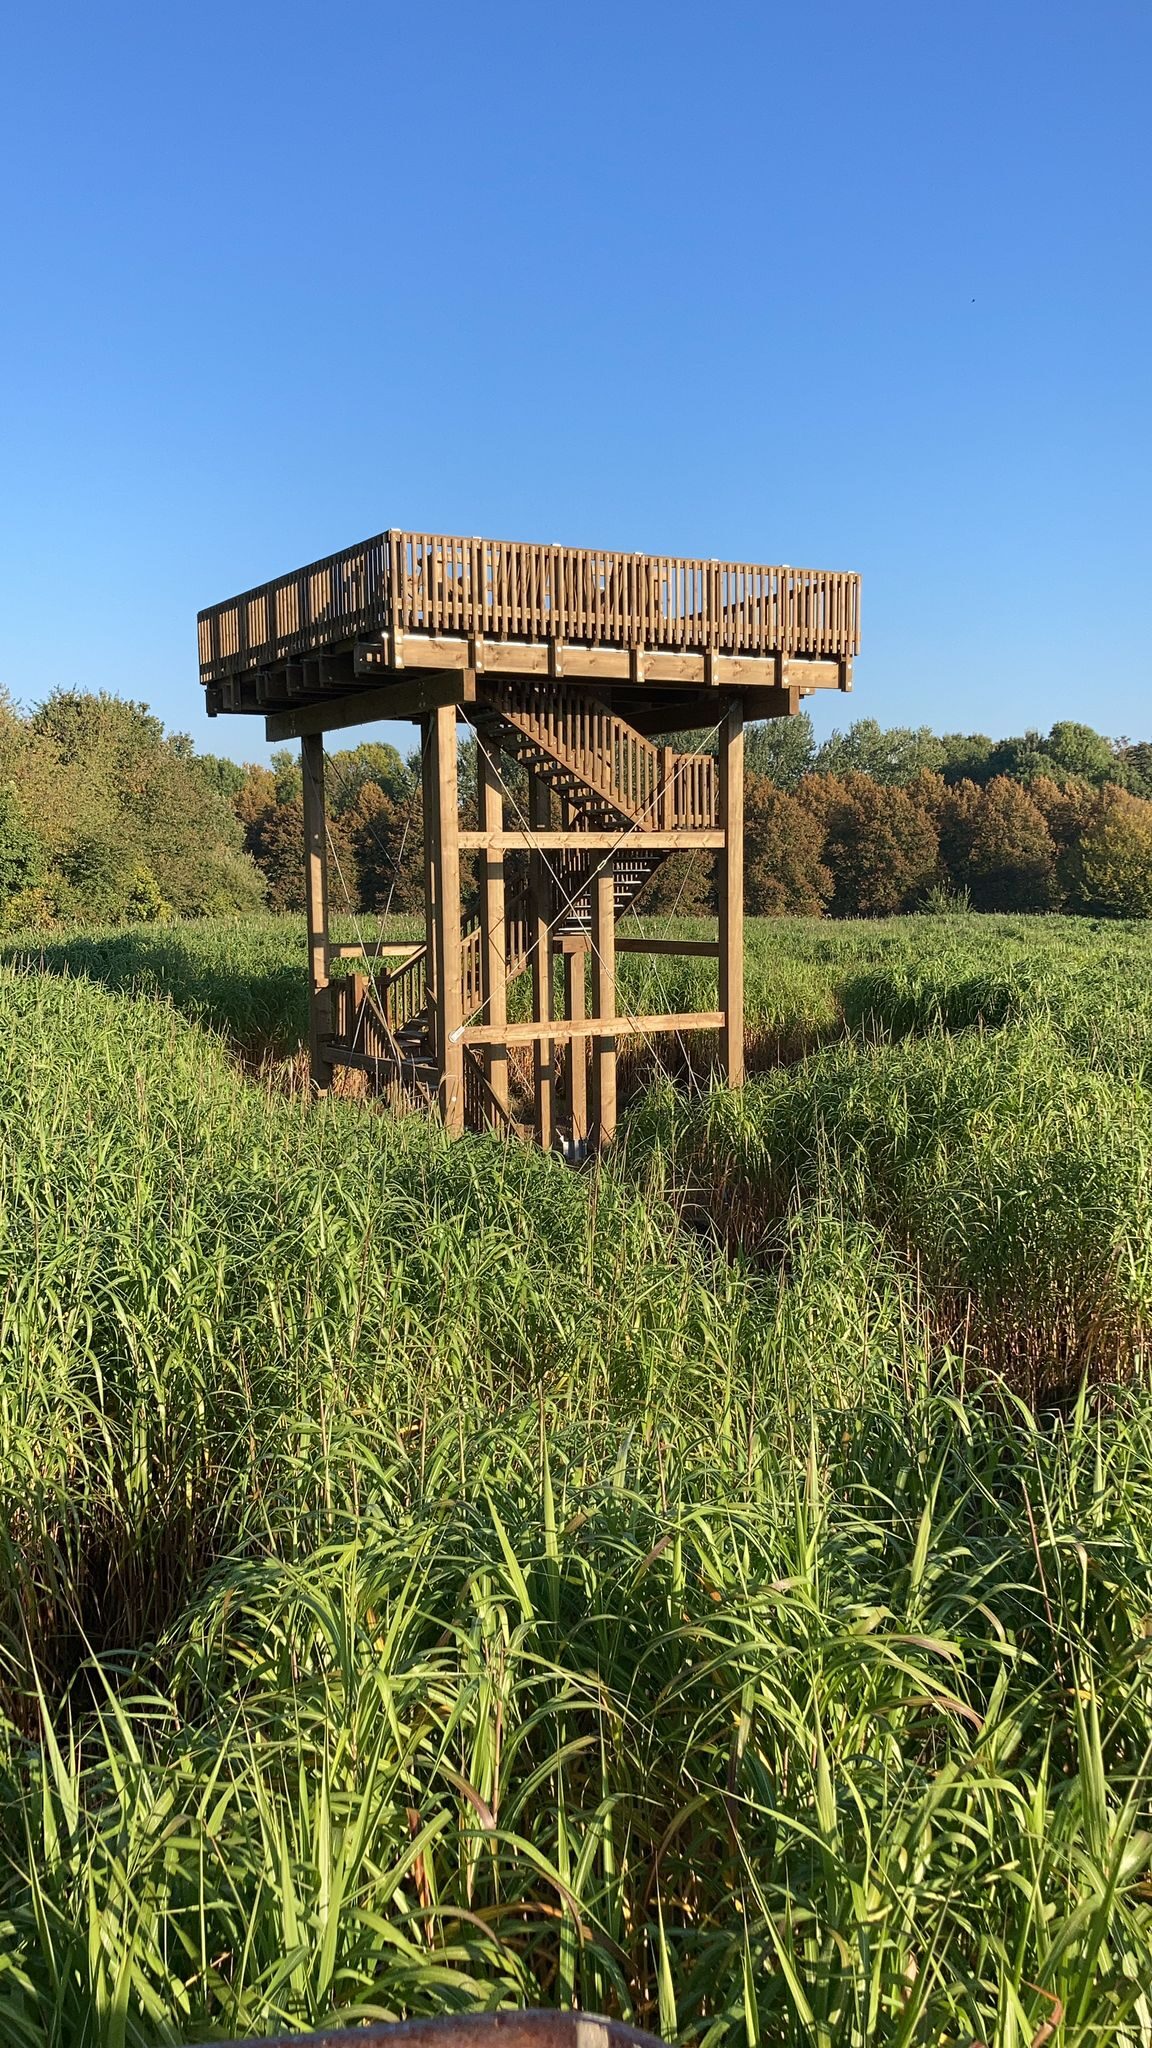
column 860, row 286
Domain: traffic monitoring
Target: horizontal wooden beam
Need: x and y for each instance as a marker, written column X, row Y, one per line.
column 700, row 949
column 575, row 662
column 586, row 1027
column 407, row 698
column 702, row 839
column 382, row 951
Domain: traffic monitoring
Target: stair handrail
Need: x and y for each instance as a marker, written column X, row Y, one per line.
column 648, row 784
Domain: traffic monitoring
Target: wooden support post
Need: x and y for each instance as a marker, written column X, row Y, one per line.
column 666, row 810
column 576, row 1009
column 731, row 892
column 449, row 982
column 540, row 902
column 316, row 906
column 604, row 998
column 493, row 924
column 431, row 858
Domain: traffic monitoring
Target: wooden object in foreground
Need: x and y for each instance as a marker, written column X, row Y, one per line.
column 528, row 2029
column 565, row 662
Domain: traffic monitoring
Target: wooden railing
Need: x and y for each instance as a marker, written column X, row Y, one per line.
column 653, row 786
column 405, row 990
column 483, row 1109
column 400, row 995
column 516, row 590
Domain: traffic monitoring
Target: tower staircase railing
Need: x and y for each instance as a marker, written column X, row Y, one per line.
column 588, row 752
column 608, row 775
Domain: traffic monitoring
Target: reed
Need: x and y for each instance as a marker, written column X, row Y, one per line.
column 432, row 1578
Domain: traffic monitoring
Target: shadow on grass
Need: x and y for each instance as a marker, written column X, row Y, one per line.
column 245, row 982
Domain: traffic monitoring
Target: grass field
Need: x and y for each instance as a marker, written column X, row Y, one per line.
column 716, row 1590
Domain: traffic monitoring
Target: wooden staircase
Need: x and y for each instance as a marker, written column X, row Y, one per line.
column 609, row 778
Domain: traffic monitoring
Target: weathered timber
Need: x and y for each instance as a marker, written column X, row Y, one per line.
column 540, row 904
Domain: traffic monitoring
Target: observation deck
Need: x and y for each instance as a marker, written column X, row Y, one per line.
column 571, row 667
column 363, row 620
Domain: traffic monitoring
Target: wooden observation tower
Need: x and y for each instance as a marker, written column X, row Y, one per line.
column 565, row 662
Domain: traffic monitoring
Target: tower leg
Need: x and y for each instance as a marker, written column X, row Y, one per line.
column 446, row 918
column 429, row 806
column 604, row 998
column 316, row 906
column 493, row 925
column 540, row 898
column 576, row 1008
column 731, row 893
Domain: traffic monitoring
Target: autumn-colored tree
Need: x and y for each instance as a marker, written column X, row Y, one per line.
column 784, row 870
column 956, row 824
column 257, row 793
column 1011, row 855
column 682, row 886
column 387, row 839
column 880, row 846
column 1068, row 807
column 1112, row 864
column 275, row 841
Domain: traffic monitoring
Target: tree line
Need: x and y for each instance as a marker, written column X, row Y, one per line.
column 105, row 817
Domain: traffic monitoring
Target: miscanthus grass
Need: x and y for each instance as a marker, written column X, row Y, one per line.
column 432, row 1579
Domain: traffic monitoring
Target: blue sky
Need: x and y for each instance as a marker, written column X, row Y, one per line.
column 856, row 286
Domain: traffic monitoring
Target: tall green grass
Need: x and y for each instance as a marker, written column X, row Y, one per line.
column 436, row 1579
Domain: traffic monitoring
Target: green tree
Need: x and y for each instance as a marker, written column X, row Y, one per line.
column 275, row 841
column 782, row 749
column 1134, row 758
column 893, row 754
column 115, row 797
column 1074, row 749
column 21, row 853
column 682, row 886
column 351, row 769
column 966, row 756
column 224, row 776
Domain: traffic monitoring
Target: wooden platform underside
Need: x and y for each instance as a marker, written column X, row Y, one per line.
column 665, row 692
